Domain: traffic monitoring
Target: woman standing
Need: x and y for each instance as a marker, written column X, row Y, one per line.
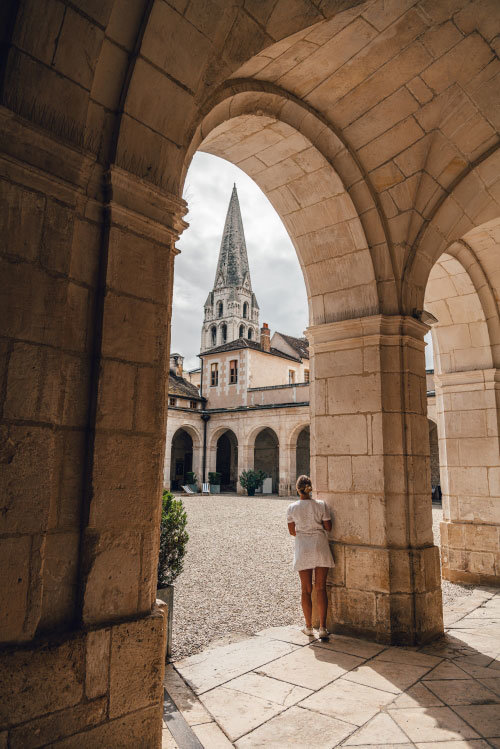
column 309, row 521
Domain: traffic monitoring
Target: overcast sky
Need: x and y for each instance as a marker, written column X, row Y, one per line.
column 277, row 280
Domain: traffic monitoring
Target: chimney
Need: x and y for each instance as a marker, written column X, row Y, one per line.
column 176, row 363
column 265, row 337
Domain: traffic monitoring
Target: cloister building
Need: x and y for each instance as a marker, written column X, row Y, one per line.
column 373, row 129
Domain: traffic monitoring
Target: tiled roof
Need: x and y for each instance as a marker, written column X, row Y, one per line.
column 241, row 343
column 179, row 386
column 300, row 345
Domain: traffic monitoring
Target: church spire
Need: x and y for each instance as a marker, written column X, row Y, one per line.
column 232, row 268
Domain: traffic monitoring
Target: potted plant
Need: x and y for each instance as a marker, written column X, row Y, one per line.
column 252, row 480
column 214, row 478
column 173, row 540
column 191, row 481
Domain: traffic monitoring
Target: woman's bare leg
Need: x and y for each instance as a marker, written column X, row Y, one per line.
column 306, row 583
column 320, row 574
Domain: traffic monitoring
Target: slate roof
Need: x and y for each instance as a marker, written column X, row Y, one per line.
column 241, row 343
column 179, row 386
column 233, row 258
column 300, row 345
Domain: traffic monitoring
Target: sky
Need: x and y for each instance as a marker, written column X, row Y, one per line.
column 275, row 272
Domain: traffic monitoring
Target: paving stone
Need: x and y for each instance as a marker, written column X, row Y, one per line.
column 445, row 670
column 348, row 701
column 186, row 701
column 298, row 728
column 211, row 736
column 311, row 667
column 412, row 657
column 273, row 690
column 484, row 718
column 381, row 730
column 464, row 692
column 470, row 744
column 390, row 677
column 417, row 696
column 342, row 644
column 213, row 667
column 238, row 713
column 287, row 634
column 432, row 724
column 493, row 684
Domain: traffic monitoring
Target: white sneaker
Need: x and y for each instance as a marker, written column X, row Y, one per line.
column 308, row 631
column 322, row 633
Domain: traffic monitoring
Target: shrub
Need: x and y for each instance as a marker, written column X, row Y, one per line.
column 214, row 477
column 252, row 480
column 173, row 540
column 191, row 477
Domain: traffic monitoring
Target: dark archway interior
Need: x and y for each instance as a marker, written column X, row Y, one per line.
column 266, row 455
column 434, row 455
column 302, row 451
column 227, row 460
column 182, row 458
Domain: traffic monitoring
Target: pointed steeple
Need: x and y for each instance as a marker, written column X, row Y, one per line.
column 232, row 268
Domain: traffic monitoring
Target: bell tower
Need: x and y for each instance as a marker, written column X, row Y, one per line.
column 231, row 309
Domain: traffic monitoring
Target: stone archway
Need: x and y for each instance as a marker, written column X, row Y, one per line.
column 181, row 461
column 226, row 461
column 266, row 455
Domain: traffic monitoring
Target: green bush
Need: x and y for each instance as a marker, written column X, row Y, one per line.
column 214, row 477
column 191, row 477
column 252, row 480
column 173, row 539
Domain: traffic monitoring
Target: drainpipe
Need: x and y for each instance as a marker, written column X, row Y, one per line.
column 206, row 418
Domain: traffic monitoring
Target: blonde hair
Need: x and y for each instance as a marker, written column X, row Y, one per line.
column 302, row 482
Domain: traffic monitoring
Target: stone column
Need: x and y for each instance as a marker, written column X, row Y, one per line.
column 120, row 537
column 245, row 462
column 370, row 462
column 284, row 464
column 468, row 430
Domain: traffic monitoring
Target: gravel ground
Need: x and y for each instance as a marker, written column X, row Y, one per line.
column 237, row 579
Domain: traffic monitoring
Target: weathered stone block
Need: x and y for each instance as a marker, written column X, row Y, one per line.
column 55, row 253
column 133, row 329
column 352, row 610
column 367, row 569
column 111, row 590
column 60, row 571
column 21, row 221
column 137, row 664
column 47, row 730
column 150, row 400
column 138, row 266
column 140, row 729
column 97, row 662
column 85, row 252
column 41, row 679
column 14, row 563
column 115, row 407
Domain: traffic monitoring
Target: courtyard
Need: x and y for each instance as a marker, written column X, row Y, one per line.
column 238, row 577
column 244, row 675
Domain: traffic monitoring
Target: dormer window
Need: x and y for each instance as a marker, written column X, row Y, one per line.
column 220, row 309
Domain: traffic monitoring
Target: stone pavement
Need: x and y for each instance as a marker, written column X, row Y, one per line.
column 278, row 689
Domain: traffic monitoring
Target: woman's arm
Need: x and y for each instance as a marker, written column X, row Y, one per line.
column 291, row 528
column 327, row 525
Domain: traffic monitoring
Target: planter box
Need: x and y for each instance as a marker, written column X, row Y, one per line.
column 214, row 488
column 167, row 596
column 193, row 487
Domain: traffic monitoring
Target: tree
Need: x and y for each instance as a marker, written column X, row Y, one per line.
column 173, row 540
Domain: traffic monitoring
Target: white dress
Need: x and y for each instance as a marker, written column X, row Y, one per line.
column 311, row 542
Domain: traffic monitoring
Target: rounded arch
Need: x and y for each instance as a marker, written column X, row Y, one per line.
column 193, row 433
column 467, row 213
column 218, row 432
column 461, row 300
column 295, row 432
column 223, row 333
column 226, row 459
column 182, row 448
column 266, row 455
column 307, row 173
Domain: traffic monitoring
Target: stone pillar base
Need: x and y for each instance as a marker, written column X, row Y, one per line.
column 470, row 553
column 102, row 687
column 392, row 596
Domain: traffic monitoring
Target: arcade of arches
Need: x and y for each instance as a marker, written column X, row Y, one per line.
column 372, row 127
